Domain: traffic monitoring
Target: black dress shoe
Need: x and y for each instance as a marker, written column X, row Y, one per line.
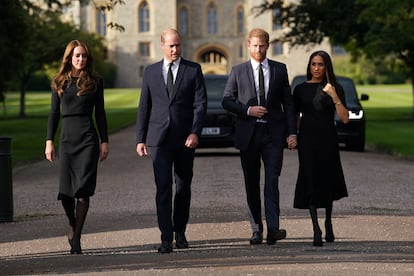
column 166, row 247
column 257, row 238
column 180, row 240
column 274, row 235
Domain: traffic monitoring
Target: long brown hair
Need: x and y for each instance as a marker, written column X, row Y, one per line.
column 87, row 78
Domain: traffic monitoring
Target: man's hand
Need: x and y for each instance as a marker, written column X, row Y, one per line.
column 142, row 149
column 192, row 141
column 292, row 141
column 257, row 111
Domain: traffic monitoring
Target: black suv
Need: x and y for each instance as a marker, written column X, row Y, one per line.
column 352, row 135
column 219, row 124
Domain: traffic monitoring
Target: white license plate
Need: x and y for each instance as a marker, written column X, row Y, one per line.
column 210, row 131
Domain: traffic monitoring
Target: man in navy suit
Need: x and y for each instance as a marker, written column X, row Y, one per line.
column 169, row 121
column 258, row 92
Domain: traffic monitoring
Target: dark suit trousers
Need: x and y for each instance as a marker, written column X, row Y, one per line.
column 165, row 160
column 261, row 147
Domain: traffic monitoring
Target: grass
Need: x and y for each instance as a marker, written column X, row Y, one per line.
column 28, row 134
column 390, row 127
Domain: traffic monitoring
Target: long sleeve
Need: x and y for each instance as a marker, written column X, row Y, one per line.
column 54, row 116
column 100, row 114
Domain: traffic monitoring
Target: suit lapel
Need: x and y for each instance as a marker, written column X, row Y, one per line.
column 178, row 78
column 250, row 78
column 272, row 80
column 161, row 82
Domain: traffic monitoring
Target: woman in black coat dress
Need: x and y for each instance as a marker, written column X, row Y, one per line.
column 78, row 91
column 320, row 179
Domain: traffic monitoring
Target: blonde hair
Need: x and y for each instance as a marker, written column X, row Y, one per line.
column 87, row 78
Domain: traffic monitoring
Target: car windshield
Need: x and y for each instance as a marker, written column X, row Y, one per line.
column 215, row 87
column 351, row 96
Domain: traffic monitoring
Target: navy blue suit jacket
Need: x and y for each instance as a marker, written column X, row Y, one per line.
column 240, row 93
column 161, row 119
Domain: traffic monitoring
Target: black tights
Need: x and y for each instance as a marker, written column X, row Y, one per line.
column 76, row 214
column 314, row 216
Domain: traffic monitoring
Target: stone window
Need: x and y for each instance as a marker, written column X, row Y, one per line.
column 183, row 21
column 277, row 48
column 275, row 25
column 144, row 49
column 101, row 23
column 212, row 19
column 240, row 20
column 143, row 17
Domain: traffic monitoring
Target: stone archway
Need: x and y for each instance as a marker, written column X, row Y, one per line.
column 212, row 59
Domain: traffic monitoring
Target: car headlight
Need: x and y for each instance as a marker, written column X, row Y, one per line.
column 355, row 115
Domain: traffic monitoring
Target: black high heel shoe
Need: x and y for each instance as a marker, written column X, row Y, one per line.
column 329, row 237
column 317, row 237
column 75, row 247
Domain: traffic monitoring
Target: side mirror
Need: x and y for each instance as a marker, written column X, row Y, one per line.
column 364, row 97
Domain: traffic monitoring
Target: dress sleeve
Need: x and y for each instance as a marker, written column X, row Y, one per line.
column 54, row 116
column 100, row 114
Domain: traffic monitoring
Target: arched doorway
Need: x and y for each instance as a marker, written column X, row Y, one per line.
column 212, row 60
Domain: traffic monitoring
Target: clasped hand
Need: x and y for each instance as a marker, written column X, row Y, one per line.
column 257, row 111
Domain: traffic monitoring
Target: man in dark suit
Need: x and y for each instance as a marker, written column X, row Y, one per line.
column 169, row 121
column 258, row 92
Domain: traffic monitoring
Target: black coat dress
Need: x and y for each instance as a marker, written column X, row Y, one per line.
column 320, row 178
column 79, row 141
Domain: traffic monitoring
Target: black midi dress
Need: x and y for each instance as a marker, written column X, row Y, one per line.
column 79, row 141
column 320, row 179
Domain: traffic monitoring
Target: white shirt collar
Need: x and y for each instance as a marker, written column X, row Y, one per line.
column 255, row 64
column 176, row 62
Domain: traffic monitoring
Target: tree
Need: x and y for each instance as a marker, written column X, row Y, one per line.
column 12, row 34
column 371, row 28
column 103, row 5
column 33, row 36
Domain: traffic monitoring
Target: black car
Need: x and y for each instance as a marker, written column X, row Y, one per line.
column 352, row 135
column 218, row 129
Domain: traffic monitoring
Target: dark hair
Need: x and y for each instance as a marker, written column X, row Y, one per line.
column 328, row 67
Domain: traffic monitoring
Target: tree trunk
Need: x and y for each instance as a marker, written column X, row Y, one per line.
column 23, row 87
column 412, row 88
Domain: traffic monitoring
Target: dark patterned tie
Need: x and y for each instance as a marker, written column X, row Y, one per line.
column 170, row 82
column 262, row 100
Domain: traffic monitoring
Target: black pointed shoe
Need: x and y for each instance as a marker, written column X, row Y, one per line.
column 274, row 235
column 180, row 240
column 166, row 247
column 317, row 237
column 257, row 238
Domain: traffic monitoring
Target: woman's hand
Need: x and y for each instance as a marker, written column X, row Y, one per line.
column 50, row 151
column 104, row 151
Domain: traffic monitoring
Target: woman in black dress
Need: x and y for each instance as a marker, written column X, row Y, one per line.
column 320, row 179
column 77, row 94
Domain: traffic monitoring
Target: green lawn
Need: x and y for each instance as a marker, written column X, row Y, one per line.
column 390, row 127
column 389, row 124
column 28, row 134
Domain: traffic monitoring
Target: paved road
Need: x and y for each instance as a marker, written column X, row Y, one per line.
column 373, row 226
